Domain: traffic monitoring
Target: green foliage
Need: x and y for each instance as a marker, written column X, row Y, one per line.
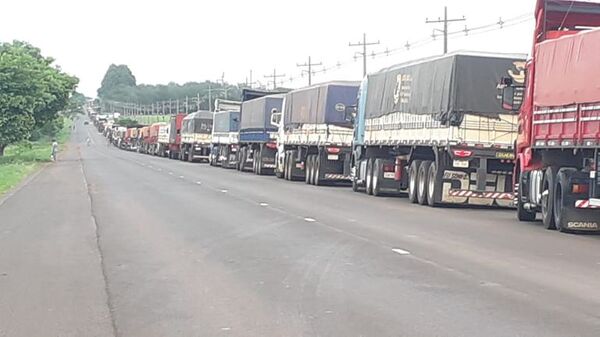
column 32, row 91
column 118, row 83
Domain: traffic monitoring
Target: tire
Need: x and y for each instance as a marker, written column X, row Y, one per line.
column 308, row 169
column 522, row 213
column 317, row 172
column 413, row 180
column 549, row 184
column 258, row 158
column 423, row 182
column 432, row 184
column 278, row 173
column 561, row 190
column 190, row 156
column 354, row 184
column 369, row 177
column 376, row 177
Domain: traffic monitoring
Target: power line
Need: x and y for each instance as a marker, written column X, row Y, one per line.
column 364, row 45
column 445, row 21
column 275, row 76
column 309, row 64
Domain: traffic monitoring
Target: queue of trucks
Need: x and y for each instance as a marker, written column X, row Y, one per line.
column 486, row 129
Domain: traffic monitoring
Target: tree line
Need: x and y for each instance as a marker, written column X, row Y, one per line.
column 35, row 94
column 120, row 85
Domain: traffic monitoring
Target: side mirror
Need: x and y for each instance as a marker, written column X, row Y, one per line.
column 275, row 117
column 350, row 113
column 510, row 94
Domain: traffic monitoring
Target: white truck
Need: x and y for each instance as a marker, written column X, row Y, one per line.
column 196, row 136
column 314, row 136
column 436, row 128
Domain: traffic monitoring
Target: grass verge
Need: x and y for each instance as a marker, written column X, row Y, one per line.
column 20, row 160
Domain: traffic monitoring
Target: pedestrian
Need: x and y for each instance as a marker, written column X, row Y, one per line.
column 54, row 149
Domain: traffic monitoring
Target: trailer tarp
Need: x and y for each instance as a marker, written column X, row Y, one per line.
column 256, row 113
column 320, row 104
column 198, row 122
column 226, row 121
column 566, row 70
column 445, row 87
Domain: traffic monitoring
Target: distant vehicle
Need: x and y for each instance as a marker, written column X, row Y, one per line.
column 314, row 135
column 257, row 136
column 225, row 137
column 436, row 128
column 196, row 136
column 174, row 146
column 558, row 148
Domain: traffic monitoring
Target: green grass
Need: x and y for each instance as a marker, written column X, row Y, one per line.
column 22, row 159
column 147, row 120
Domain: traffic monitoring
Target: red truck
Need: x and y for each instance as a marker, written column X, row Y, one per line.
column 175, row 135
column 558, row 146
column 143, row 139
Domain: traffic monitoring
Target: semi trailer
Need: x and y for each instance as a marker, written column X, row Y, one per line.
column 314, row 136
column 558, row 147
column 436, row 129
column 196, row 136
column 257, row 136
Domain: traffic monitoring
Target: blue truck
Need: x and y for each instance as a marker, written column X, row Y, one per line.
column 257, row 136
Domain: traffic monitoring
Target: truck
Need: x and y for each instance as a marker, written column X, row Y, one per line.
column 436, row 129
column 225, row 136
column 557, row 150
column 314, row 136
column 257, row 140
column 163, row 140
column 196, row 136
column 151, row 143
column 175, row 124
column 143, row 139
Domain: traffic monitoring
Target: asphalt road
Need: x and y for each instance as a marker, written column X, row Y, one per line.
column 113, row 243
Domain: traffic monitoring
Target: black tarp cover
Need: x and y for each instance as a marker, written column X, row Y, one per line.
column 445, row 87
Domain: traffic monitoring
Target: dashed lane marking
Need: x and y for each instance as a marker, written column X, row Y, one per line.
column 264, row 204
column 309, row 220
column 198, row 183
column 400, row 251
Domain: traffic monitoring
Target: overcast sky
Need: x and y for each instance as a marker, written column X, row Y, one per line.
column 181, row 41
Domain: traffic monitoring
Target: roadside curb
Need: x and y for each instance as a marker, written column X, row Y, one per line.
column 22, row 184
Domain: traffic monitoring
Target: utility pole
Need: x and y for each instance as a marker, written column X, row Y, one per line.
column 309, row 65
column 275, row 76
column 364, row 45
column 445, row 21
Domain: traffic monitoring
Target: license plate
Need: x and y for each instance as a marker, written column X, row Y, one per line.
column 333, row 157
column 461, row 163
column 389, row 175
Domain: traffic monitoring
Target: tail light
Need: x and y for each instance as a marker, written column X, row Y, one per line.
column 580, row 188
column 398, row 169
column 334, row 150
column 462, row 153
column 389, row 168
column 271, row 145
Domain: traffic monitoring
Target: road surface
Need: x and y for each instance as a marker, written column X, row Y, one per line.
column 113, row 243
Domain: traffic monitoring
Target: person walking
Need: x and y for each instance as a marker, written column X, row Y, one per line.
column 54, row 150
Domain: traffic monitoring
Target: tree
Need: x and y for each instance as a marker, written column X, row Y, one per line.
column 32, row 91
column 116, row 79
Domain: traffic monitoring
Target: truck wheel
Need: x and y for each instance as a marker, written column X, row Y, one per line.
column 313, row 171
column 317, row 170
column 561, row 191
column 433, row 184
column 369, row 177
column 376, row 180
column 522, row 213
column 308, row 168
column 423, row 182
column 548, row 186
column 190, row 156
column 413, row 178
column 354, row 183
column 258, row 159
column 287, row 166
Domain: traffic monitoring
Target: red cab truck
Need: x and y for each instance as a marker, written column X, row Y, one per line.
column 558, row 145
column 175, row 135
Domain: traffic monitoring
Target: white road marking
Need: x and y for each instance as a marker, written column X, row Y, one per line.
column 181, row 177
column 400, row 251
column 225, row 329
column 309, row 220
column 224, row 191
column 198, row 183
column 171, row 173
column 264, row 204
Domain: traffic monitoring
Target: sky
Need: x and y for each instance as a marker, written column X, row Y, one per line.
column 182, row 41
